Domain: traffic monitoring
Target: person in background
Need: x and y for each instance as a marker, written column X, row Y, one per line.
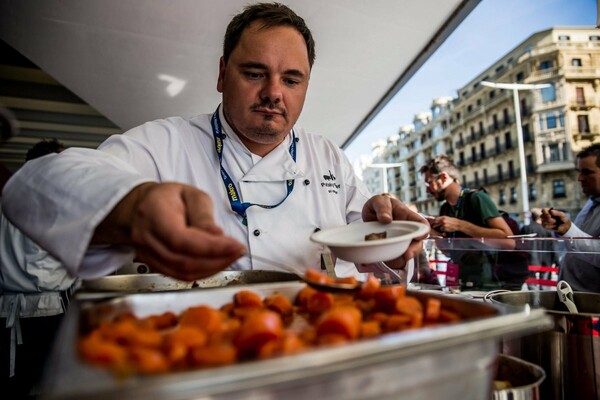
column 192, row 196
column 580, row 266
column 424, row 273
column 465, row 214
column 34, row 293
column 43, row 147
column 542, row 249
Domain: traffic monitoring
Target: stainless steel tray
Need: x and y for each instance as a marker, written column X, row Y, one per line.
column 445, row 362
column 154, row 282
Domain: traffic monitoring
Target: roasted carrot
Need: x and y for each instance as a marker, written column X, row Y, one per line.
column 370, row 329
column 316, row 276
column 386, row 297
column 432, row 309
column 256, row 330
column 342, row 320
column 247, row 298
column 148, row 361
column 319, row 302
column 214, row 355
column 369, row 287
column 279, row 303
column 204, row 318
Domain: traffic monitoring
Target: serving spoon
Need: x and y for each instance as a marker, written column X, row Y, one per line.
column 334, row 287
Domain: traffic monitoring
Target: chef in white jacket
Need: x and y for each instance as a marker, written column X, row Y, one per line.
column 191, row 196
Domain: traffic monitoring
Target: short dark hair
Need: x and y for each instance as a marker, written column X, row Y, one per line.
column 593, row 150
column 44, row 147
column 438, row 164
column 270, row 15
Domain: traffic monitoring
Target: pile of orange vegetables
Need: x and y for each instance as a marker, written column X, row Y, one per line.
column 251, row 327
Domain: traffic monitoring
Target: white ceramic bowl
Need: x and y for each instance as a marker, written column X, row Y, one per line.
column 348, row 242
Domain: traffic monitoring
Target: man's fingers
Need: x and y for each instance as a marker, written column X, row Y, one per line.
column 199, row 208
column 195, row 256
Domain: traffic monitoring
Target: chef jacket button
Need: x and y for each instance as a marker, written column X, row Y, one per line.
column 306, row 182
column 256, row 232
column 316, row 230
column 297, row 140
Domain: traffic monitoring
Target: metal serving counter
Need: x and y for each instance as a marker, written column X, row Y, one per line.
column 454, row 361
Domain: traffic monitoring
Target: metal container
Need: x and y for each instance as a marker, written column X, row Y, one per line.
column 153, row 282
column 570, row 352
column 453, row 361
column 523, row 377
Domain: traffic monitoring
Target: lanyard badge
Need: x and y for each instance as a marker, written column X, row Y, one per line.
column 232, row 192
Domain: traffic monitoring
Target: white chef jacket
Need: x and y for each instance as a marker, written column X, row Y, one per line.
column 32, row 283
column 78, row 188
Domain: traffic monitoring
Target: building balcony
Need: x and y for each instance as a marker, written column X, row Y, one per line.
column 581, row 105
column 555, row 166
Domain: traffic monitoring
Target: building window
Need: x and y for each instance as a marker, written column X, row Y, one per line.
column 594, row 38
column 546, row 64
column 495, row 121
column 554, row 152
column 482, row 150
column 497, row 142
column 532, row 192
column 564, row 37
column 500, row 177
column 502, row 198
column 492, row 94
column 526, row 134
column 551, row 121
column 473, row 154
column 576, row 62
column 583, row 124
column 469, row 108
column 520, row 76
column 461, row 157
column 529, row 163
column 548, row 93
column 580, row 96
column 476, row 179
column 464, row 179
column 506, row 116
column 511, row 169
column 508, row 140
column 558, row 188
column 513, row 195
column 485, row 176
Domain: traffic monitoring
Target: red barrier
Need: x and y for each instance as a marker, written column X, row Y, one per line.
column 532, row 268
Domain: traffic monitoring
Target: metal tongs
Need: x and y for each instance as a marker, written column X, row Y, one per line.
column 565, row 295
column 387, row 275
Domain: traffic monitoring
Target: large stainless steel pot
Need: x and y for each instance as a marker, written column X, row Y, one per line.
column 524, row 379
column 570, row 352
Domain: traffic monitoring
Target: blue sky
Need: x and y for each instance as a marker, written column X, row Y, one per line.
column 491, row 30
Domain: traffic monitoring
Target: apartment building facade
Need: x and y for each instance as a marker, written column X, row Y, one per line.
column 478, row 127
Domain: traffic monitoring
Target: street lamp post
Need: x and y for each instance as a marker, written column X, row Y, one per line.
column 515, row 87
column 384, row 167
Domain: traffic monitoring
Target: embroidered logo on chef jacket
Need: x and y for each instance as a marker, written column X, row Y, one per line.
column 329, row 183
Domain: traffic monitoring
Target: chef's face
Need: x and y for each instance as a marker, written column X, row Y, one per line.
column 589, row 175
column 264, row 83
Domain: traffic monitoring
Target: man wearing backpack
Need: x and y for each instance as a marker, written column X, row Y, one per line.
column 466, row 214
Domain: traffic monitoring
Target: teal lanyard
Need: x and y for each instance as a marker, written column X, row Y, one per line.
column 232, row 193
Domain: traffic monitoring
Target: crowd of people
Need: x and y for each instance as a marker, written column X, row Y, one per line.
column 193, row 196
